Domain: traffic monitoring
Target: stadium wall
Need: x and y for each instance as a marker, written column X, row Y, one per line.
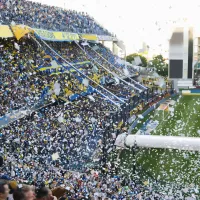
column 191, row 92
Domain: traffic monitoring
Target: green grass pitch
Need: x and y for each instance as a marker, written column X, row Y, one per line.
column 180, row 167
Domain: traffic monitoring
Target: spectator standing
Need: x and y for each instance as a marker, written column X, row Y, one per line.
column 19, row 195
column 28, row 193
column 4, row 191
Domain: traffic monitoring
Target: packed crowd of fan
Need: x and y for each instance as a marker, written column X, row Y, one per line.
column 37, row 15
column 20, row 84
column 100, row 62
column 104, row 54
column 73, row 130
column 23, row 81
column 83, row 124
column 91, row 185
column 42, row 147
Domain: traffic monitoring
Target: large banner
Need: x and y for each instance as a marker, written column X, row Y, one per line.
column 5, row 31
column 20, row 31
column 89, row 37
column 56, row 36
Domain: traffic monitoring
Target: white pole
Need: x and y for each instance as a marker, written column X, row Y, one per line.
column 163, row 142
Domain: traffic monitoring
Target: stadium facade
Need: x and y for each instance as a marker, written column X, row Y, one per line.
column 184, row 57
column 181, row 57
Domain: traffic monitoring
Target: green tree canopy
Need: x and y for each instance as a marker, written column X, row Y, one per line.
column 159, row 63
column 131, row 57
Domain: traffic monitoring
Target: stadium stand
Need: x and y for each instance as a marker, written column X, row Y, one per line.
column 68, row 127
column 74, row 131
column 37, row 15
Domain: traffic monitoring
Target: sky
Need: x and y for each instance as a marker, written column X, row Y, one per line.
column 135, row 21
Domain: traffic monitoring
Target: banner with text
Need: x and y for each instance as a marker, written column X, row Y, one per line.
column 89, row 37
column 56, row 36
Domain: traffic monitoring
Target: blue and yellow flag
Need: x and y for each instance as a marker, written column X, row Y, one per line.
column 20, row 31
